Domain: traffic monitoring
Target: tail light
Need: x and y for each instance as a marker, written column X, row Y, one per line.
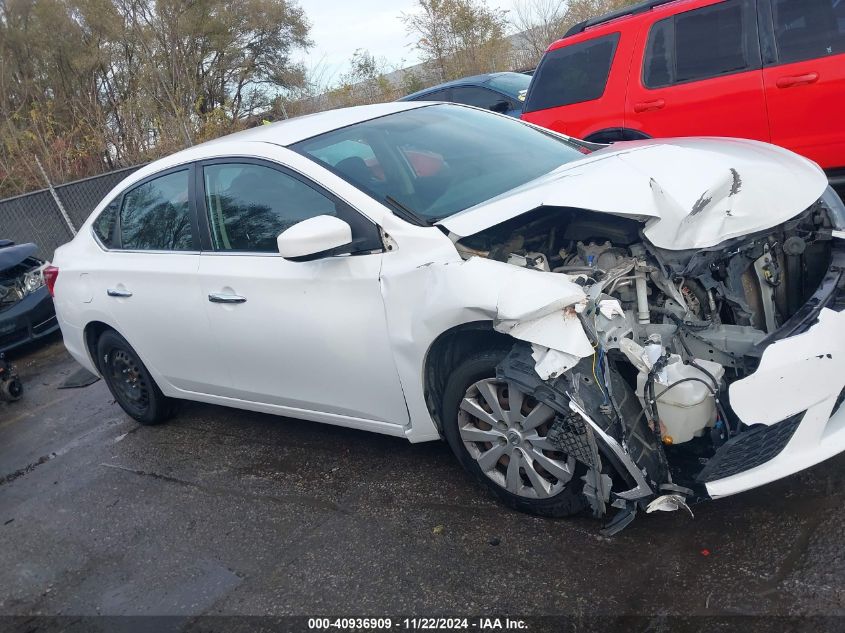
column 51, row 273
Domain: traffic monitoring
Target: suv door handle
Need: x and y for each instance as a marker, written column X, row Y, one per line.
column 114, row 292
column 647, row 106
column 797, row 80
column 218, row 298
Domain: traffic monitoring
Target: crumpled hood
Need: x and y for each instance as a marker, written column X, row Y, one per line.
column 11, row 255
column 691, row 192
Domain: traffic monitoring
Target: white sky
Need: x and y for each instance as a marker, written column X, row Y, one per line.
column 339, row 27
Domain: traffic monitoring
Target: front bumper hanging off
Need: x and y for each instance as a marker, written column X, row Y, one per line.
column 793, row 402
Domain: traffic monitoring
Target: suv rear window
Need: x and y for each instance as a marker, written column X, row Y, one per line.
column 716, row 40
column 806, row 29
column 572, row 74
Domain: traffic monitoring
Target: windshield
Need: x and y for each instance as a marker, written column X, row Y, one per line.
column 435, row 161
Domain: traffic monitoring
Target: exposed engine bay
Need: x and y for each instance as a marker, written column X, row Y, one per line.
column 648, row 412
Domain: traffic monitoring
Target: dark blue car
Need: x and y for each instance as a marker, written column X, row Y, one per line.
column 499, row 92
column 26, row 308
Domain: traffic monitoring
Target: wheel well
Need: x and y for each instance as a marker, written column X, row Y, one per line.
column 611, row 135
column 448, row 350
column 93, row 332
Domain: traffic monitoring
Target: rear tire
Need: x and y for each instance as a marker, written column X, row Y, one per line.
column 486, row 442
column 129, row 381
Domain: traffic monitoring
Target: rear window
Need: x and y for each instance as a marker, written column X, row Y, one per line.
column 807, row 29
column 513, row 84
column 572, row 74
column 717, row 40
column 478, row 97
column 105, row 224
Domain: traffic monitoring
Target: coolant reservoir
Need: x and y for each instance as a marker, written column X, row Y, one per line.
column 688, row 409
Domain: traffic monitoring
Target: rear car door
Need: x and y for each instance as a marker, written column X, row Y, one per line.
column 148, row 279
column 310, row 336
column 700, row 75
column 805, row 77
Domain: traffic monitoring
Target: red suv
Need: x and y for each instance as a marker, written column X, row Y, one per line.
column 772, row 70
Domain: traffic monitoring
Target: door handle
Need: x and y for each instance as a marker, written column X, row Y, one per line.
column 647, row 106
column 218, row 298
column 114, row 292
column 797, row 80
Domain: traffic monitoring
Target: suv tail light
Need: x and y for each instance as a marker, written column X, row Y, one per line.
column 51, row 273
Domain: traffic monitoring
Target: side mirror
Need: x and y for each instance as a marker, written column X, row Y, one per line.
column 501, row 107
column 314, row 237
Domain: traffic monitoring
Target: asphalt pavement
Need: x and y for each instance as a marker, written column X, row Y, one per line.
column 226, row 512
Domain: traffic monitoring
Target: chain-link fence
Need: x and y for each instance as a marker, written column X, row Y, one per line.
column 35, row 217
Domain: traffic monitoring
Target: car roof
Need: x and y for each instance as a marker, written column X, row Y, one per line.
column 601, row 25
column 472, row 80
column 283, row 133
column 299, row 128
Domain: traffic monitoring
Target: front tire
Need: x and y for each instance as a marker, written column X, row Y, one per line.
column 129, row 381
column 498, row 435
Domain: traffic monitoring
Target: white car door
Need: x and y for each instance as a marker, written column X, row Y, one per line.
column 309, row 336
column 148, row 281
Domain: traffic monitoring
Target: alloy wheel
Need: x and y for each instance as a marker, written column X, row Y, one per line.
column 504, row 431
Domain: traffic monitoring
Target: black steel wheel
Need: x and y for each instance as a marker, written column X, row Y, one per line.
column 130, row 382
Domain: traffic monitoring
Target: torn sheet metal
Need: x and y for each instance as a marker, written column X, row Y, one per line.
column 794, row 374
column 551, row 363
column 560, row 331
column 610, row 308
column 543, row 310
column 530, row 295
column 668, row 503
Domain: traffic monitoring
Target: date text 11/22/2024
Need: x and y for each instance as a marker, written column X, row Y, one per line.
column 418, row 624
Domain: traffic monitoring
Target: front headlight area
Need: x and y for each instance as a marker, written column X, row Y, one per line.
column 835, row 207
column 34, row 279
column 20, row 282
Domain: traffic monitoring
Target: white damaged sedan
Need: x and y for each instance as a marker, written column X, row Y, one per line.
column 623, row 328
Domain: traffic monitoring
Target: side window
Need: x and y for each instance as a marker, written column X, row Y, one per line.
column 437, row 95
column 478, row 97
column 806, row 29
column 659, row 62
column 716, row 40
column 106, row 222
column 572, row 74
column 249, row 205
column 156, row 215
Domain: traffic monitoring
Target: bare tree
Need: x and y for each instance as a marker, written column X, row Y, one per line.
column 539, row 23
column 459, row 37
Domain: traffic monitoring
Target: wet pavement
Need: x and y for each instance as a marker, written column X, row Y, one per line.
column 229, row 512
